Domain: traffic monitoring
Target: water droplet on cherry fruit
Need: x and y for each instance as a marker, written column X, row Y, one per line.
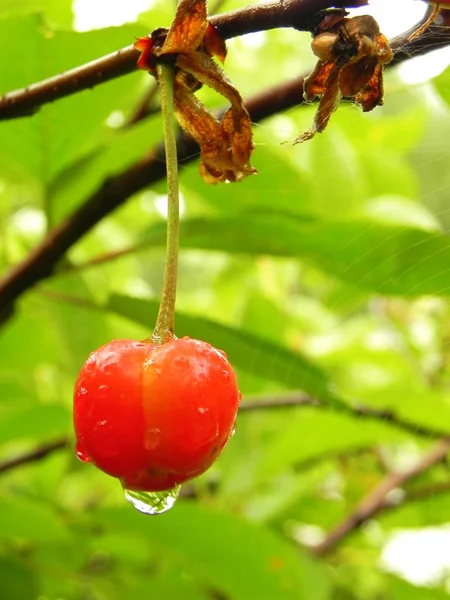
column 81, row 455
column 141, row 416
column 153, row 503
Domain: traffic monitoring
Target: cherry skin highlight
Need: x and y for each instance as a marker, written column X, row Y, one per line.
column 154, row 415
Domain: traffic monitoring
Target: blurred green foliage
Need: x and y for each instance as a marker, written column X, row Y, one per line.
column 328, row 273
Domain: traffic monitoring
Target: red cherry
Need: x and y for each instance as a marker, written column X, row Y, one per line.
column 154, row 415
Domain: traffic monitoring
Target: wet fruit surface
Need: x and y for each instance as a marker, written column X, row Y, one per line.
column 154, row 415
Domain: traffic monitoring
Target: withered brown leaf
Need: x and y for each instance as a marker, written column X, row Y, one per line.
column 214, row 44
column 226, row 143
column 188, row 28
column 352, row 54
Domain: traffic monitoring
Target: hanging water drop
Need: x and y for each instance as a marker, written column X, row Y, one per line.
column 153, row 503
column 81, row 454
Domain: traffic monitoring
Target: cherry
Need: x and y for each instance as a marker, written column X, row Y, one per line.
column 154, row 415
column 158, row 412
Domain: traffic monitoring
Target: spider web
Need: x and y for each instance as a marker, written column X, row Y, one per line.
column 410, row 88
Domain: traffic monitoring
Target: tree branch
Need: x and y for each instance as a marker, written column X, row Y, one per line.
column 380, row 498
column 26, row 101
column 41, row 261
column 284, row 13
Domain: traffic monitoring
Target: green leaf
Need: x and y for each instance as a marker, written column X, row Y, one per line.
column 428, row 511
column 442, row 84
column 42, row 145
column 243, row 560
column 167, row 588
column 310, row 434
column 35, row 422
column 117, row 151
column 278, row 178
column 262, row 317
column 57, row 12
column 245, row 350
column 389, row 259
column 26, row 520
column 17, row 581
column 399, row 588
column 427, row 408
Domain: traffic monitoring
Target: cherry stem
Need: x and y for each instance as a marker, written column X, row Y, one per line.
column 164, row 328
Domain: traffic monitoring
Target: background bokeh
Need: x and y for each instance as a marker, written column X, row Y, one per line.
column 326, row 274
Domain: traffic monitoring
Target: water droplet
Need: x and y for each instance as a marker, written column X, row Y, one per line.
column 203, row 410
column 182, row 363
column 153, row 503
column 152, row 438
column 225, row 376
column 110, row 367
column 81, row 454
column 233, row 431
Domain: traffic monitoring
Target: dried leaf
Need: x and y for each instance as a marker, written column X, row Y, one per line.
column 145, row 60
column 234, row 145
column 372, row 93
column 214, row 43
column 205, row 70
column 238, row 127
column 355, row 76
column 352, row 54
column 226, row 144
column 327, row 105
column 188, row 29
column 316, row 83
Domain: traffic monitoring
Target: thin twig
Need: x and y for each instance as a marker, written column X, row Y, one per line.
column 352, row 410
column 426, row 491
column 33, row 455
column 101, row 259
column 165, row 322
column 143, row 109
column 278, row 402
column 378, row 499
